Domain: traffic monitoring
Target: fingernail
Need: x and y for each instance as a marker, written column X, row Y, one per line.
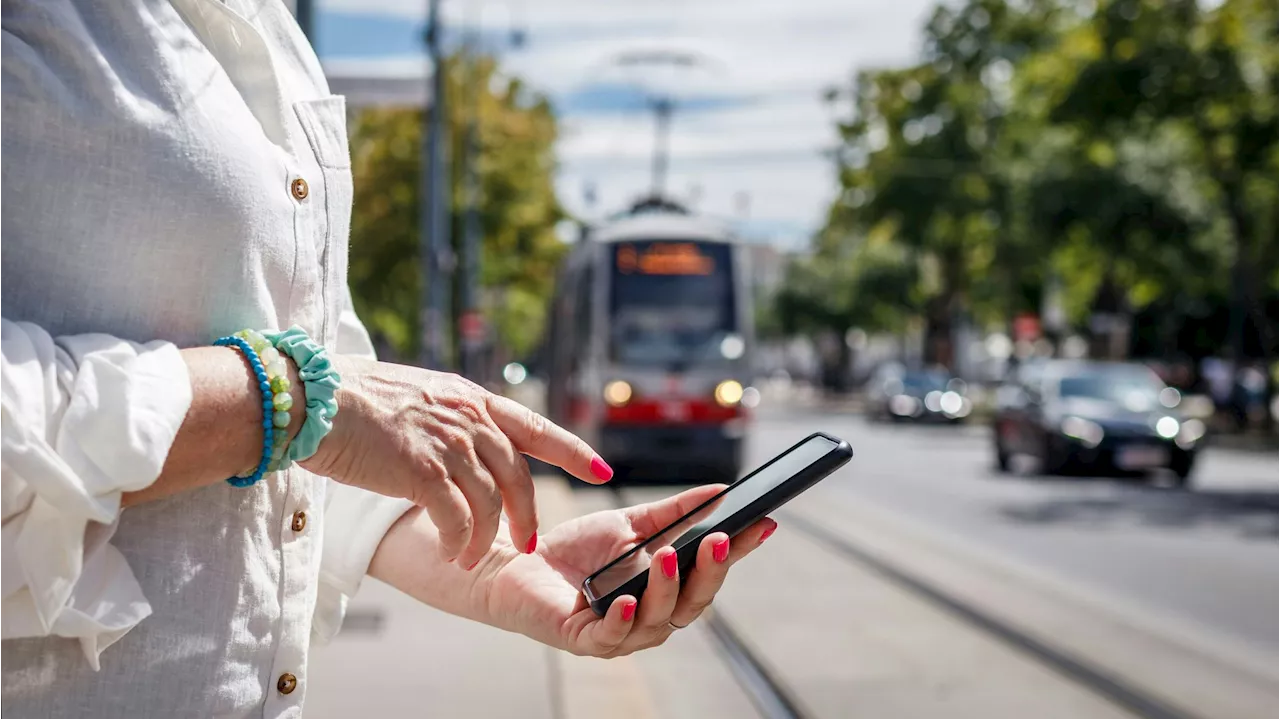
column 602, row 471
column 768, row 532
column 669, row 565
column 532, row 545
column 720, row 550
column 628, row 611
column 473, row 565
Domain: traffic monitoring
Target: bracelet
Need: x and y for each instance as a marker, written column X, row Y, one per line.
column 280, row 386
column 320, row 381
column 264, row 384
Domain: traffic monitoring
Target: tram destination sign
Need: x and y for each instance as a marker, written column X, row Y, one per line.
column 664, row 258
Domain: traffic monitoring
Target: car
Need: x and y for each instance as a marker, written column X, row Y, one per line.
column 1094, row 416
column 900, row 395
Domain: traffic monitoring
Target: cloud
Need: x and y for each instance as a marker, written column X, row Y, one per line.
column 749, row 121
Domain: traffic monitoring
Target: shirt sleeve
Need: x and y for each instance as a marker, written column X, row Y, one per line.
column 85, row 419
column 355, row 519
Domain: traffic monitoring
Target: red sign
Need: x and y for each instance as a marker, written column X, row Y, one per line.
column 471, row 326
column 1026, row 328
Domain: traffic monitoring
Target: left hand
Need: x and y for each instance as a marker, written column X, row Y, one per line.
column 539, row 595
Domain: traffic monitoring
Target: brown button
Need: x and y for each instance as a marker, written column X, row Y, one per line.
column 299, row 189
column 287, row 683
column 299, row 521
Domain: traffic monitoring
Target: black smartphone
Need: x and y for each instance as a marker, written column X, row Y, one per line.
column 739, row 506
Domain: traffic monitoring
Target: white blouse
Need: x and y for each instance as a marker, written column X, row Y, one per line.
column 174, row 170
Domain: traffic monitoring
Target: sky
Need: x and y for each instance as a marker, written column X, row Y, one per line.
column 750, row 127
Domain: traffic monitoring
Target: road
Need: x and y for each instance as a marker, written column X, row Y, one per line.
column 1205, row 557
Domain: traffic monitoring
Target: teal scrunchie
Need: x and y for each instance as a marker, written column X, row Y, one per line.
column 320, row 383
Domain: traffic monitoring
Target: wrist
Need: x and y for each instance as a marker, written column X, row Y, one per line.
column 497, row 602
column 330, row 456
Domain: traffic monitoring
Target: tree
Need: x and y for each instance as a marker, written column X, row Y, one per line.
column 1199, row 88
column 923, row 162
column 518, row 209
column 1126, row 150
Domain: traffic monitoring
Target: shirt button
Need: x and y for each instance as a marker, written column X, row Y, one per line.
column 299, row 521
column 299, row 189
column 287, row 683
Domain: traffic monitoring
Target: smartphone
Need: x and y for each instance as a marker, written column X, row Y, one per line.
column 739, row 506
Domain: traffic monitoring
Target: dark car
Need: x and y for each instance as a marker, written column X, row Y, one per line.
column 1094, row 416
column 899, row 395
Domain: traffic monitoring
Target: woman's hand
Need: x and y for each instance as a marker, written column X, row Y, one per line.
column 449, row 446
column 538, row 594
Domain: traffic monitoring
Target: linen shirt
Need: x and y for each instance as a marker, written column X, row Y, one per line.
column 174, row 170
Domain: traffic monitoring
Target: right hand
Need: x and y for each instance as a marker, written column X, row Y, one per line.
column 449, row 446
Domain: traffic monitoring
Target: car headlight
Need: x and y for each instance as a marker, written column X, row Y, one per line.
column 617, row 393
column 1167, row 427
column 952, row 403
column 933, row 401
column 729, row 393
column 1088, row 433
column 1191, row 431
column 904, row 405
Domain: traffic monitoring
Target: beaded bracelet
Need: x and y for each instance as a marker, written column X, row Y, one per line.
column 280, row 387
column 264, row 384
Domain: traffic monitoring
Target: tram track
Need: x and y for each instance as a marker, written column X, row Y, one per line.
column 770, row 695
column 774, row 699
column 1076, row 670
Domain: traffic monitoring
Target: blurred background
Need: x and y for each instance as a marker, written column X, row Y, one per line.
column 1022, row 254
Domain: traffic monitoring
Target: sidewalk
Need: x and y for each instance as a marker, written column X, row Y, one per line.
column 845, row 640
column 401, row 659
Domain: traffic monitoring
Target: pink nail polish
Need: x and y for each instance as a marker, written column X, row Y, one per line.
column 602, row 471
column 473, row 565
column 532, row 545
column 628, row 611
column 768, row 532
column 669, row 566
column 720, row 550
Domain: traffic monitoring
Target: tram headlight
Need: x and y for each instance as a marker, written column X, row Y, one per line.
column 728, row 393
column 617, row 393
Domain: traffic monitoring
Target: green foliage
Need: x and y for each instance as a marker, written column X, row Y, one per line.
column 518, row 209
column 1130, row 144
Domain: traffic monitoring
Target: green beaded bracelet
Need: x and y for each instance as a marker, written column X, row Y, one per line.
column 320, row 382
column 276, row 410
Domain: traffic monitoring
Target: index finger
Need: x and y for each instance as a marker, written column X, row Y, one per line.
column 541, row 438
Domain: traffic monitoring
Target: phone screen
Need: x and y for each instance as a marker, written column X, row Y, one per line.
column 694, row 525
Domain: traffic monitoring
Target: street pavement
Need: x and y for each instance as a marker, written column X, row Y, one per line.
column 959, row 592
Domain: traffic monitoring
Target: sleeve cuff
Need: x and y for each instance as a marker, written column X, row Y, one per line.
column 66, row 467
column 355, row 522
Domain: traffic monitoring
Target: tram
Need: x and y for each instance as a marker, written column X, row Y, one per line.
column 649, row 345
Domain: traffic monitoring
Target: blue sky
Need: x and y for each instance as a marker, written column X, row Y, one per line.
column 750, row 122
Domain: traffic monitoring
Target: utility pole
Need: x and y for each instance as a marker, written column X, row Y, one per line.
column 304, row 13
column 662, row 108
column 472, row 330
column 471, row 321
column 435, row 252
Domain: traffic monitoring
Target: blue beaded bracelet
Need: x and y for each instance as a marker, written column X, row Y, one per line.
column 268, row 431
